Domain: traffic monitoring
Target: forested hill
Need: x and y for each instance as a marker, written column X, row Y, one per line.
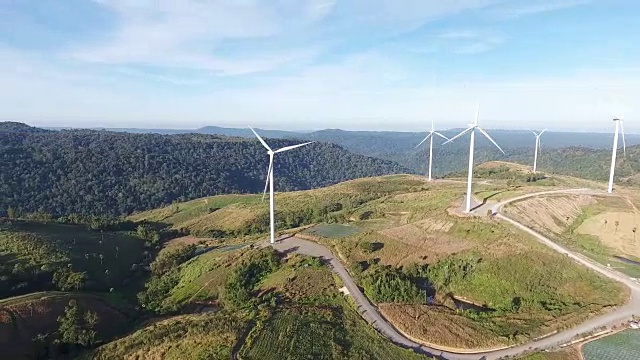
column 101, row 172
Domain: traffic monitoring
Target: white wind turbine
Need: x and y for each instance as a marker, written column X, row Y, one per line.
column 535, row 157
column 619, row 126
column 430, row 136
column 472, row 129
column 269, row 182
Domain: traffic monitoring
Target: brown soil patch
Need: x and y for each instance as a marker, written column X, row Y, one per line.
column 622, row 237
column 439, row 326
column 552, row 213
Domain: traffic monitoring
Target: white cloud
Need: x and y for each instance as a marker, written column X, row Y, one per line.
column 533, row 7
column 189, row 33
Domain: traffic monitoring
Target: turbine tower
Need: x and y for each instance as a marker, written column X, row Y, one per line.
column 535, row 157
column 619, row 127
column 269, row 182
column 472, row 129
column 430, row 136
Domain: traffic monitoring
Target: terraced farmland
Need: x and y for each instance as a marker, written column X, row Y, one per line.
column 298, row 334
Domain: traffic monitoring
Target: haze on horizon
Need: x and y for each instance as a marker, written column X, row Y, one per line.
column 313, row 64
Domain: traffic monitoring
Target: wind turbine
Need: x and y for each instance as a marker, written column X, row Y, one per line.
column 535, row 157
column 430, row 136
column 269, row 182
column 472, row 129
column 619, row 126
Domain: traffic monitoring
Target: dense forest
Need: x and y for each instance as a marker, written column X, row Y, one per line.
column 113, row 173
column 400, row 147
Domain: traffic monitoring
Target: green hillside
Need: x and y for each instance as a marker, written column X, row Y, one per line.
column 236, row 215
column 100, row 172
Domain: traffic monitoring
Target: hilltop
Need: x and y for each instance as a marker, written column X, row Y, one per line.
column 403, row 245
column 110, row 173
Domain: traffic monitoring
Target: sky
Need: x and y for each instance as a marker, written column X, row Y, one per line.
column 314, row 64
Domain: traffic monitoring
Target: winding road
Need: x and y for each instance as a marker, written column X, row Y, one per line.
column 370, row 313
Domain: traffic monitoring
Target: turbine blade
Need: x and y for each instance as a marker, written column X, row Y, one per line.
column 425, row 139
column 624, row 143
column 477, row 113
column 490, row 139
column 442, row 136
column 259, row 138
column 542, row 132
column 266, row 184
column 461, row 134
column 286, row 148
column 433, row 128
column 535, row 133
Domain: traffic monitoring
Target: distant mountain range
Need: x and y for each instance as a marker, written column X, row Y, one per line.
column 400, row 147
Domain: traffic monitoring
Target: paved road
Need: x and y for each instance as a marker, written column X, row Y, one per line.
column 373, row 317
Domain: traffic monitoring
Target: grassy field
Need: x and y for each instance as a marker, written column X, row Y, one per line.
column 23, row 318
column 38, row 250
column 624, row 345
column 237, row 215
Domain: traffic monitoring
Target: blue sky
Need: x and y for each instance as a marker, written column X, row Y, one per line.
column 311, row 64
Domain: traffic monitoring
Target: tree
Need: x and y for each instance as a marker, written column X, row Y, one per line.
column 617, row 223
column 66, row 279
column 77, row 329
column 635, row 229
column 605, row 223
column 11, row 213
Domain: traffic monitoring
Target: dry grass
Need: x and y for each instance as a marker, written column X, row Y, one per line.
column 551, row 213
column 621, row 237
column 440, row 326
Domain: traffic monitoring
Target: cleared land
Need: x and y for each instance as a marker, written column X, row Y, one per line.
column 624, row 345
column 602, row 227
